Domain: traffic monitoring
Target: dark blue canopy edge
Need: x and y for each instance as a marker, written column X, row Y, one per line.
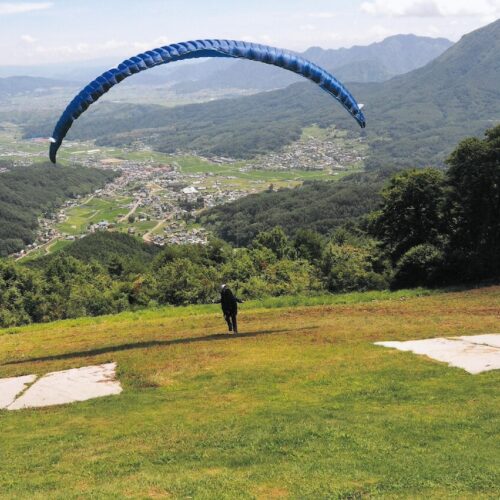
column 192, row 50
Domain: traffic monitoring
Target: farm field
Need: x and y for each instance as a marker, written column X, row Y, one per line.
column 300, row 404
column 93, row 211
column 195, row 165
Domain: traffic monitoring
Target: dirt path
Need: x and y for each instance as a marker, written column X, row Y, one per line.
column 45, row 247
column 148, row 236
column 132, row 210
column 51, row 243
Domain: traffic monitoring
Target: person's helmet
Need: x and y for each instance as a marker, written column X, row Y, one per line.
column 222, row 287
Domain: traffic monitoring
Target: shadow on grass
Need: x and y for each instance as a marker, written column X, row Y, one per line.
column 154, row 343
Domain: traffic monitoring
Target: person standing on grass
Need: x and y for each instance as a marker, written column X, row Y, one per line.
column 229, row 303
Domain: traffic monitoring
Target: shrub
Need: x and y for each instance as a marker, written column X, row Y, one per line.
column 420, row 266
column 347, row 268
column 183, row 282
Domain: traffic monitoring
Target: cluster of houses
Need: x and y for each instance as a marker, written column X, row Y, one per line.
column 312, row 154
column 19, row 158
column 180, row 234
column 46, row 234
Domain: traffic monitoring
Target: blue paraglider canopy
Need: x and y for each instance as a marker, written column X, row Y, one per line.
column 195, row 49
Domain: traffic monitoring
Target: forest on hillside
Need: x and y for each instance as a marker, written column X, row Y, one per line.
column 315, row 205
column 28, row 192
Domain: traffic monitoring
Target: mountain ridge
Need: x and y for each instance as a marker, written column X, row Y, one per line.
column 453, row 96
column 14, row 85
column 393, row 55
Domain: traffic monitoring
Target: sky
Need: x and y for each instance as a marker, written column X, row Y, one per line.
column 40, row 32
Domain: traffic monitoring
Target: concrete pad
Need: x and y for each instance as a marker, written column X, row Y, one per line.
column 491, row 339
column 77, row 384
column 11, row 387
column 475, row 353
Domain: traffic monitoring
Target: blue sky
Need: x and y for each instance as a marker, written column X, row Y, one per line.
column 38, row 31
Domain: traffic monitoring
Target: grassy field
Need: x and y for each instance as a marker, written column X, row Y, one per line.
column 195, row 165
column 300, row 404
column 93, row 211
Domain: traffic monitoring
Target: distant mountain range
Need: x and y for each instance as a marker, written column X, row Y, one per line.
column 424, row 113
column 376, row 62
column 413, row 119
column 15, row 85
column 77, row 71
column 372, row 63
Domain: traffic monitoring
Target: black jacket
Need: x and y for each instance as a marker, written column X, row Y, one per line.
column 229, row 301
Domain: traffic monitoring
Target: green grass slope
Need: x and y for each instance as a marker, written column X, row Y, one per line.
column 301, row 404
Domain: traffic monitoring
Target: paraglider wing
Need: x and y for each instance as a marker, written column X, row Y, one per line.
column 195, row 49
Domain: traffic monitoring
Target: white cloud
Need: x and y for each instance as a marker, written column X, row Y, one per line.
column 321, row 15
column 379, row 32
column 152, row 44
column 163, row 40
column 432, row 8
column 307, row 27
column 265, row 39
column 83, row 48
column 114, row 44
column 110, row 47
column 28, row 39
column 22, row 7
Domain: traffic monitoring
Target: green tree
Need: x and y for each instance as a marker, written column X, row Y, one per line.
column 346, row 268
column 185, row 282
column 275, row 240
column 291, row 277
column 422, row 265
column 473, row 206
column 411, row 212
column 77, row 289
column 241, row 267
column 24, row 295
column 308, row 244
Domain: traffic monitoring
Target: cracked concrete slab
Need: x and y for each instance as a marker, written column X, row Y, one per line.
column 68, row 386
column 474, row 353
column 11, row 387
column 490, row 339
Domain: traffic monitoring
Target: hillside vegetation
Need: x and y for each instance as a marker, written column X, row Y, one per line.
column 318, row 206
column 301, row 404
column 104, row 247
column 27, row 192
column 418, row 117
column 266, row 122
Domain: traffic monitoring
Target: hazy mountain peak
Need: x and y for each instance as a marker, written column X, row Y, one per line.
column 375, row 62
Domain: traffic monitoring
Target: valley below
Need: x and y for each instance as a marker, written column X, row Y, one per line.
column 157, row 196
